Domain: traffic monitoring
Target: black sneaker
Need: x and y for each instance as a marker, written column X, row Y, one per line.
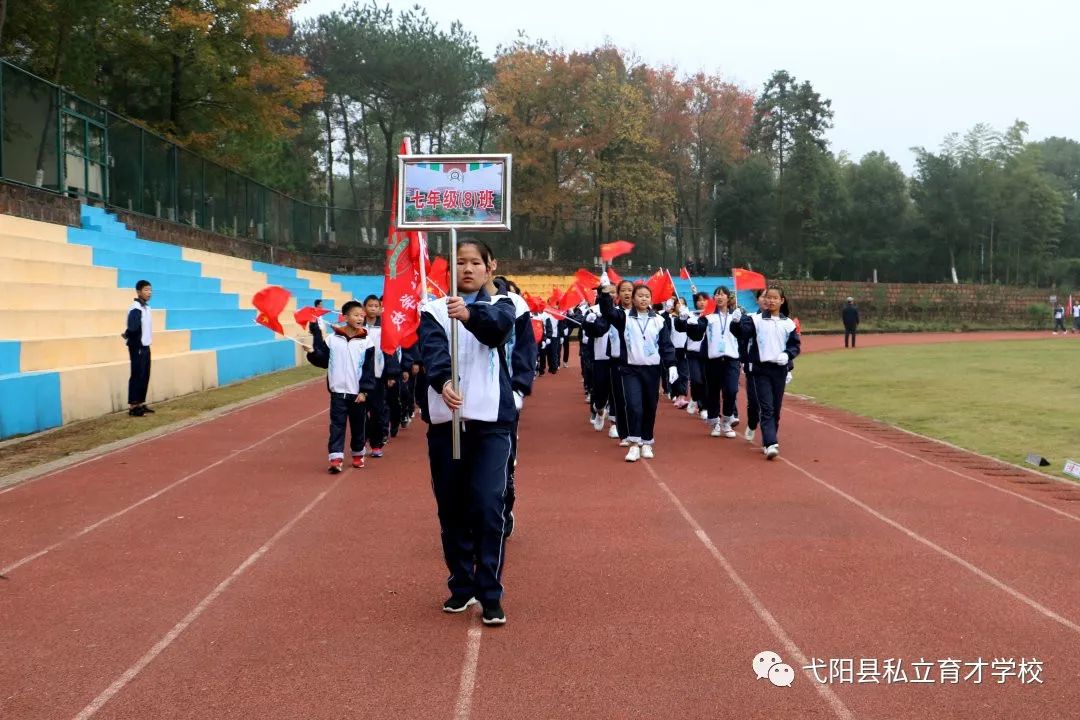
column 147, row 410
column 458, row 603
column 136, row 412
column 493, row 614
column 509, row 525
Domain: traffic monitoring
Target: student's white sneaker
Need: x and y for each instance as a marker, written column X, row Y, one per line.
column 613, row 432
column 647, row 452
column 717, row 430
column 772, row 451
column 633, row 454
column 749, row 434
column 725, row 429
column 598, row 422
column 624, row 443
column 704, row 414
column 692, row 408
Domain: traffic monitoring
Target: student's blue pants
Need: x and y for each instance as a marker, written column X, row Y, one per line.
column 721, row 386
column 139, row 381
column 601, row 385
column 618, row 400
column 344, row 409
column 752, row 415
column 471, row 497
column 770, row 380
column 641, row 388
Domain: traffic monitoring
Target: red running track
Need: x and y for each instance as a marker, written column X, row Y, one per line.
column 218, row 572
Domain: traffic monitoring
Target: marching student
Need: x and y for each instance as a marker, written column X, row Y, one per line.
column 1059, row 318
column 565, row 328
column 520, row 353
column 721, row 351
column 773, row 343
column 596, row 329
column 471, row 492
column 349, row 378
column 617, row 352
column 695, row 360
column 385, row 367
column 585, row 352
column 680, row 388
column 752, row 416
column 647, row 352
column 138, row 336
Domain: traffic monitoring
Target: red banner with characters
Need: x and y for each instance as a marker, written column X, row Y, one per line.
column 402, row 293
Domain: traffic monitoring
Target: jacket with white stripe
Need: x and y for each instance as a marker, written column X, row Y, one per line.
column 350, row 368
column 715, row 329
column 521, row 350
column 769, row 339
column 596, row 327
column 483, row 372
column 139, row 331
column 615, row 315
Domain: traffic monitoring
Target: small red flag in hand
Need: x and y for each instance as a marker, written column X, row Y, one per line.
column 538, row 329
column 661, row 286
column 610, row 251
column 684, row 274
column 748, row 280
column 307, row 315
column 572, row 297
column 270, row 301
column 710, row 307
column 587, row 279
column 439, row 275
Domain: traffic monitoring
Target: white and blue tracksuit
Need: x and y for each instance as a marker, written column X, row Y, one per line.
column 471, row 492
column 138, row 335
column 645, row 340
column 386, row 368
column 595, row 327
column 350, row 371
column 720, row 348
column 772, row 344
column 521, row 353
column 616, row 359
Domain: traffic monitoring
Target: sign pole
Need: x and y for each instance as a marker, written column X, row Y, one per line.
column 456, row 430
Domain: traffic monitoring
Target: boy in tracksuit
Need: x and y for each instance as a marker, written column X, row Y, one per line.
column 385, row 368
column 349, row 378
column 138, row 335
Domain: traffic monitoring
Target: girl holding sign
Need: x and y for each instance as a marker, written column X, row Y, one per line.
column 471, row 492
column 645, row 338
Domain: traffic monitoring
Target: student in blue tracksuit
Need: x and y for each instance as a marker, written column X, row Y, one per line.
column 773, row 343
column 596, row 329
column 386, row 372
column 350, row 378
column 617, row 352
column 695, row 359
column 647, row 352
column 471, row 492
column 138, row 335
column 752, row 415
column 520, row 352
column 721, row 362
column 680, row 388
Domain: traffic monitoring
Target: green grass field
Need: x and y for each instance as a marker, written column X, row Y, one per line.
column 1004, row 399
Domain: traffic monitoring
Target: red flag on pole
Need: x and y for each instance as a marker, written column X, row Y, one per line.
column 270, row 301
column 613, row 276
column 556, row 297
column 401, row 284
column 610, row 251
column 538, row 329
column 306, row 315
column 684, row 274
column 572, row 297
column 748, row 280
column 586, row 278
column 661, row 286
column 710, row 307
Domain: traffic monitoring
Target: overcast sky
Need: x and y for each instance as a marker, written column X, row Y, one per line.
column 899, row 74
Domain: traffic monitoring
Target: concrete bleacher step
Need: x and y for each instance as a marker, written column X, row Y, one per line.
column 18, row 247
column 120, row 243
column 53, row 353
column 40, row 271
column 23, row 324
column 190, row 319
column 63, row 298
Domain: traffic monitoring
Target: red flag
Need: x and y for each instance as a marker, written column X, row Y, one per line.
column 586, row 278
column 710, row 307
column 610, row 251
column 439, row 275
column 401, row 284
column 306, row 315
column 798, row 325
column 558, row 315
column 538, row 329
column 661, row 286
column 572, row 297
column 748, row 280
column 535, row 304
column 556, row 297
column 613, row 276
column 684, row 274
column 270, row 301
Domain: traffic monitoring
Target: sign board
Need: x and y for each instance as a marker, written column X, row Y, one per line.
column 464, row 192
column 1072, row 468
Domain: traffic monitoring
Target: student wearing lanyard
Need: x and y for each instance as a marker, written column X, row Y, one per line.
column 471, row 492
column 721, row 363
column 647, row 350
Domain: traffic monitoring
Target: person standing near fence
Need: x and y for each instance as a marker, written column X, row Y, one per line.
column 138, row 335
column 850, row 316
column 1059, row 318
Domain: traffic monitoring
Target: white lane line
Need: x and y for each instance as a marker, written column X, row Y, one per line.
column 931, row 463
column 463, row 707
column 28, row 477
column 148, row 498
column 977, row 571
column 132, row 672
column 839, row 709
